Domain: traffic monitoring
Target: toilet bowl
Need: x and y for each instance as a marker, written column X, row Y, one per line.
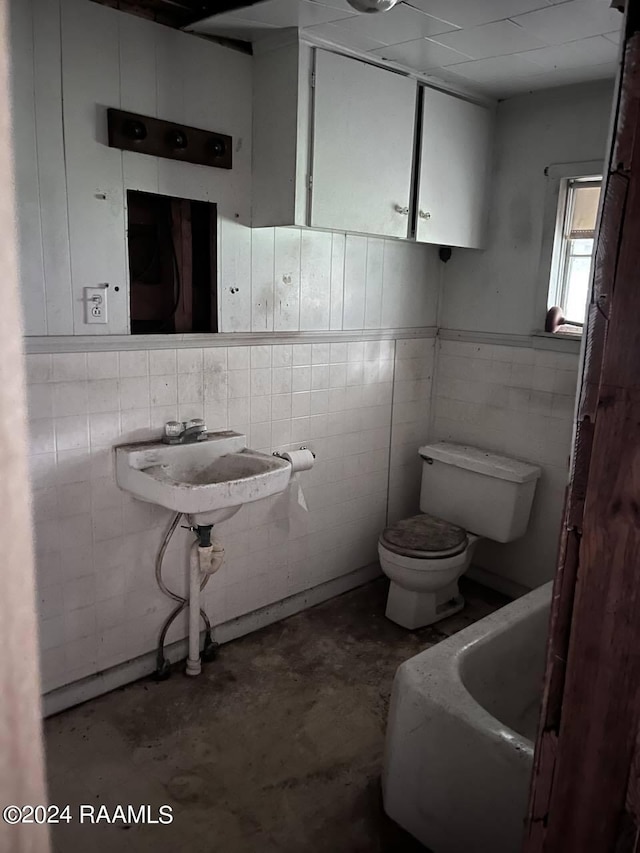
column 424, row 578
column 463, row 488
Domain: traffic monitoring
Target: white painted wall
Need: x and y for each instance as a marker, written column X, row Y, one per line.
column 72, row 59
column 495, row 290
column 517, row 400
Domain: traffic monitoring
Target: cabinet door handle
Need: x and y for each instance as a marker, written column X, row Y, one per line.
column 424, row 214
column 403, row 210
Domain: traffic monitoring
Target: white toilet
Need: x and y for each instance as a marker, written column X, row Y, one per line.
column 466, row 494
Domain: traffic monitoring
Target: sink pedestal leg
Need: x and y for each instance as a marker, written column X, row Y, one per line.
column 193, row 661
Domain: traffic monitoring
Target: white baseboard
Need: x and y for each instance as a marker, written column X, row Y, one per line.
column 497, row 582
column 109, row 679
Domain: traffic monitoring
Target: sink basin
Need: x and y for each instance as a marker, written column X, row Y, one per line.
column 209, row 480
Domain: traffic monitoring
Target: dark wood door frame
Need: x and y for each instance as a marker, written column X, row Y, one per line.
column 585, row 795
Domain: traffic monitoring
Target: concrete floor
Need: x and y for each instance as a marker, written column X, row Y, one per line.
column 277, row 746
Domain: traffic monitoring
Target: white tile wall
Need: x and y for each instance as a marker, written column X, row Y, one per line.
column 364, row 407
column 95, row 546
column 520, row 402
column 411, row 410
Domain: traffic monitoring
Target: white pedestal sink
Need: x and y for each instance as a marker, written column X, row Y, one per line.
column 208, row 479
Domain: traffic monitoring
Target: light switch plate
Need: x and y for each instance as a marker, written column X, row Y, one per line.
column 95, row 301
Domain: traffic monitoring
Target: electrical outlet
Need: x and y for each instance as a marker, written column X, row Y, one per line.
column 95, row 300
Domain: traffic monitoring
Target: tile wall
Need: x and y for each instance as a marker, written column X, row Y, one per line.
column 518, row 401
column 410, row 417
column 364, row 407
column 95, row 546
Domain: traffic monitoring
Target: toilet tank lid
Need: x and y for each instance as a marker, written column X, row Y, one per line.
column 481, row 461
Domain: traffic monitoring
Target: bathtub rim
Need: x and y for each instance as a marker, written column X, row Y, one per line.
column 436, row 672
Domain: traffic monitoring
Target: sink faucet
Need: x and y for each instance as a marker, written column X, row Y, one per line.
column 188, row 432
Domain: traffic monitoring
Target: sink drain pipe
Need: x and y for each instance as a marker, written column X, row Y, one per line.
column 163, row 670
column 205, row 558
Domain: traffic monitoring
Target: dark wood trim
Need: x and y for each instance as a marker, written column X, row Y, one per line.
column 160, row 138
column 584, row 796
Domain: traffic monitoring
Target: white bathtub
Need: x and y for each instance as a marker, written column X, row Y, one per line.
column 461, row 732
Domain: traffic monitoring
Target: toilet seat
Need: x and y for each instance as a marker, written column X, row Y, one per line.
column 424, row 537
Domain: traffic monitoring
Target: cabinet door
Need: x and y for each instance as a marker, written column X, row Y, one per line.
column 454, row 160
column 363, row 135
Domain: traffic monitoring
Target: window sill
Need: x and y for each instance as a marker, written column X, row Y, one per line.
column 559, row 341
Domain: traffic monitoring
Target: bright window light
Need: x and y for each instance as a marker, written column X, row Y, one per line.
column 573, row 249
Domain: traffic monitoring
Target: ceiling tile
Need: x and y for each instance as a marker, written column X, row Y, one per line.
column 455, row 81
column 421, row 54
column 583, row 53
column 337, row 35
column 570, row 21
column 336, row 4
column 615, row 37
column 496, row 68
column 497, row 39
column 467, row 44
column 470, row 13
column 229, row 26
column 553, row 79
column 291, row 13
column 401, row 24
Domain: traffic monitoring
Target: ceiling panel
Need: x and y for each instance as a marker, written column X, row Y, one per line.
column 497, row 39
column 615, row 37
column 336, row 4
column 400, row 24
column 583, row 53
column 338, row 35
column 470, row 13
column 231, row 27
column 493, row 47
column 557, row 77
column 496, row 68
column 292, row 13
column 567, row 22
column 421, row 54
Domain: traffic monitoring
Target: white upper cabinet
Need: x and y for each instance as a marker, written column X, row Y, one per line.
column 455, row 154
column 333, row 142
column 334, row 147
column 281, row 134
column 363, row 136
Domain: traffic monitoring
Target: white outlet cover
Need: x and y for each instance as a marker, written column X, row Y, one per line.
column 95, row 302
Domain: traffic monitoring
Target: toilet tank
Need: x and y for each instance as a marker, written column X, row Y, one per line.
column 487, row 494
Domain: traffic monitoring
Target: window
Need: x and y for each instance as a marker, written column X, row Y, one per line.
column 572, row 253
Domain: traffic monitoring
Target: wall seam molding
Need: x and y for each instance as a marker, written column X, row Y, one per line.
column 537, row 340
column 117, row 343
column 43, row 344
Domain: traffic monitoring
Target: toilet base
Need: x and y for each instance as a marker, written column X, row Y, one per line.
column 418, row 609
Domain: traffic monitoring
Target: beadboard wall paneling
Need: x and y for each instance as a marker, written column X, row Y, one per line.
column 72, row 59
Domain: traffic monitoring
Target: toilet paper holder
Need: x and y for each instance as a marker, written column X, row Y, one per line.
column 303, row 447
